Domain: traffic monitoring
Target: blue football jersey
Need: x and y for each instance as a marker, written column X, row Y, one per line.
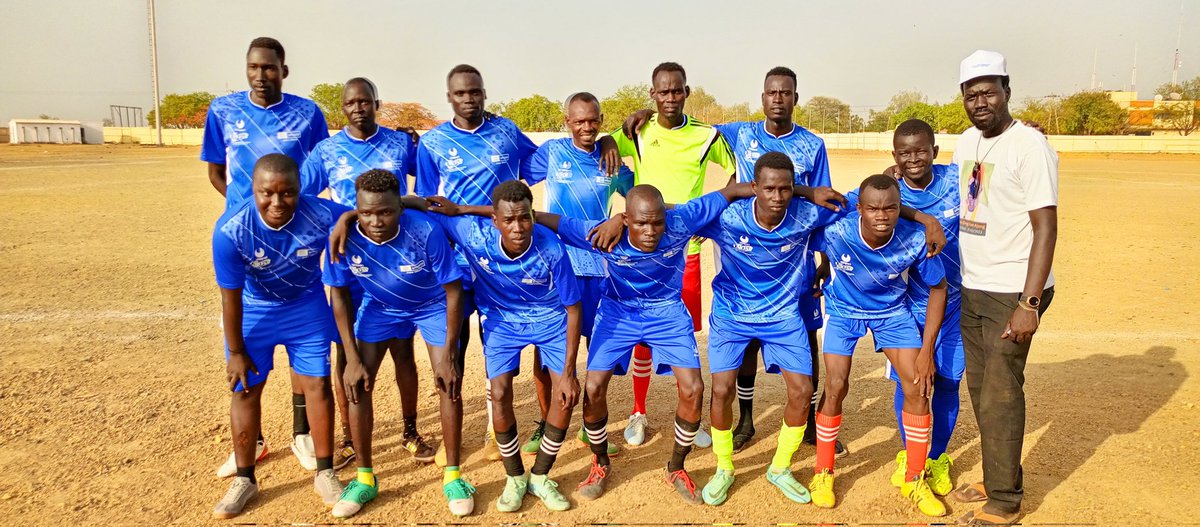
column 871, row 283
column 273, row 265
column 653, row 279
column 338, row 161
column 762, row 272
column 465, row 166
column 941, row 200
column 405, row 272
column 532, row 287
column 750, row 140
column 577, row 188
column 238, row 132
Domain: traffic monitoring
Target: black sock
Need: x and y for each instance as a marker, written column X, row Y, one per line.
column 260, row 437
column 597, row 434
column 552, row 440
column 324, row 463
column 510, row 450
column 464, row 338
column 745, row 396
column 685, row 432
column 247, row 472
column 810, row 432
column 299, row 415
column 410, row 427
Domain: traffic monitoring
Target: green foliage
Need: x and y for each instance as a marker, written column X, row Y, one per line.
column 1180, row 116
column 1046, row 112
column 952, row 118
column 182, row 110
column 830, row 115
column 532, row 114
column 1188, row 91
column 1092, row 113
column 329, row 99
column 626, row 100
column 885, row 119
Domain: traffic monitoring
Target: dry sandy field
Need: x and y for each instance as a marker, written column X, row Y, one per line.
column 113, row 410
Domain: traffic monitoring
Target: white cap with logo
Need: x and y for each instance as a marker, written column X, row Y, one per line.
column 982, row 63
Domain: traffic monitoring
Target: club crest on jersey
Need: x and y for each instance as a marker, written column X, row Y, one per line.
column 260, row 260
column 843, row 264
column 413, row 268
column 743, row 244
column 624, row 261
column 239, row 134
column 563, row 173
column 357, row 267
column 752, row 154
column 453, row 162
column 483, row 262
column 343, row 166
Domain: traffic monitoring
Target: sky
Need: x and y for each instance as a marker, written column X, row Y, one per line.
column 73, row 58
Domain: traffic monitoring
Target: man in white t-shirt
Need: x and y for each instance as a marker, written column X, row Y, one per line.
column 1009, row 223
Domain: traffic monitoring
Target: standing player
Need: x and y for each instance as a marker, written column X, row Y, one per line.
column 335, row 164
column 1009, row 227
column 871, row 252
column 932, row 189
column 672, row 153
column 241, row 128
column 528, row 296
column 267, row 256
column 406, row 266
column 763, row 266
column 641, row 304
column 576, row 187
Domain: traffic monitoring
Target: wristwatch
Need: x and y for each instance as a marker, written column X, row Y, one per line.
column 1032, row 302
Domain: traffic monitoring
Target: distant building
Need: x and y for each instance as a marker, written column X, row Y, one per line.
column 1159, row 115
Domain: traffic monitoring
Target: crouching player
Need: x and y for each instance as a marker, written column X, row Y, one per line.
column 933, row 189
column 528, row 296
column 870, row 252
column 267, row 256
column 641, row 304
column 406, row 268
column 763, row 267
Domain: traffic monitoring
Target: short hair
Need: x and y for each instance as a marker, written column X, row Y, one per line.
column 378, row 180
column 782, row 71
column 915, row 127
column 267, row 43
column 363, row 80
column 644, row 191
column 668, row 67
column 879, row 181
column 773, row 160
column 462, row 68
column 581, row 96
column 512, row 191
column 278, row 164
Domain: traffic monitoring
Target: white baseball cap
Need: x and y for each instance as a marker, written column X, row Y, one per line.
column 982, row 63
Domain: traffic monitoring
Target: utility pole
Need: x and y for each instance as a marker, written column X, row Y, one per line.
column 1095, row 57
column 1133, row 80
column 154, row 71
column 1178, row 44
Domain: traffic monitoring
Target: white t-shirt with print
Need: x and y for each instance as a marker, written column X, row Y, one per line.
column 1019, row 174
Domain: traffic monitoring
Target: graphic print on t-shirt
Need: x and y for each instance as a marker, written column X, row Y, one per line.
column 976, row 177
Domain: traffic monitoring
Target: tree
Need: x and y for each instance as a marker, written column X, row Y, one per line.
column 916, row 110
column 329, row 99
column 408, row 114
column 1188, row 91
column 47, row 117
column 1044, row 111
column 952, row 117
column 703, row 106
column 1180, row 116
column 885, row 119
column 182, row 110
column 626, row 100
column 831, row 115
column 535, row 113
column 1092, row 113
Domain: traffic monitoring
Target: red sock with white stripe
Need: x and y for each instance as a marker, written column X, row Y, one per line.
column 640, row 367
column 916, row 442
column 828, row 427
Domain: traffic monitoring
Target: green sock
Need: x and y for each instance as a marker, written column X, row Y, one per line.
column 789, row 440
column 366, row 476
column 723, row 448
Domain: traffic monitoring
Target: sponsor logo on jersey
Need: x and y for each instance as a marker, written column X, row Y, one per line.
column 260, row 260
column 532, row 280
column 287, row 135
column 453, row 163
column 562, row 174
column 357, row 267
column 413, row 268
column 843, row 264
column 743, row 244
column 624, row 261
column 752, row 154
column 343, row 166
column 499, row 159
column 239, row 135
column 671, row 253
column 483, row 262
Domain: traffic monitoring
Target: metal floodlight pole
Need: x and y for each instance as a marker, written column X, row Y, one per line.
column 154, row 72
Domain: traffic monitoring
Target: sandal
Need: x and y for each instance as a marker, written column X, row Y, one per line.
column 982, row 518
column 973, row 493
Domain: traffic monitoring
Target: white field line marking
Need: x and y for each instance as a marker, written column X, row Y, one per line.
column 82, row 165
column 65, row 315
column 55, row 188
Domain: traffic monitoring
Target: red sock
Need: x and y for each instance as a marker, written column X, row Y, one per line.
column 640, row 367
column 916, row 442
column 827, row 432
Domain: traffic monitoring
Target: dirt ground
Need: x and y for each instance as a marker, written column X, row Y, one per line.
column 113, row 411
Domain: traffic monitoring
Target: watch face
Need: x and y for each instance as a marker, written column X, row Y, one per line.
column 1033, row 301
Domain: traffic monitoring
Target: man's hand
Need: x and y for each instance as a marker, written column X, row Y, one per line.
column 1021, row 326
column 829, row 198
column 635, row 122
column 610, row 156
column 341, row 231
column 442, row 205
column 355, row 373
column 925, row 371
column 237, row 370
column 893, row 172
column 447, row 378
column 607, row 235
column 820, row 277
column 412, row 132
column 935, row 237
column 567, row 390
column 1035, row 126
